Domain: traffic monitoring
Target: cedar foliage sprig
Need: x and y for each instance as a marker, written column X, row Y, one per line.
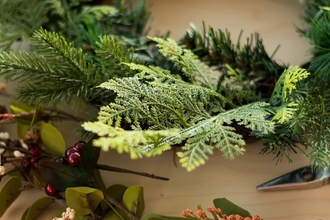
column 161, row 101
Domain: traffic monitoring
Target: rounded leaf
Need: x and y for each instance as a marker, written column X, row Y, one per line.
column 52, row 138
column 133, row 200
column 229, row 208
column 116, row 191
column 83, row 199
column 9, row 193
column 113, row 215
column 35, row 209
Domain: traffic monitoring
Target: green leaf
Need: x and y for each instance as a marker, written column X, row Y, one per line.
column 112, row 215
column 22, row 129
column 17, row 174
column 62, row 176
column 152, row 216
column 97, row 177
column 83, row 199
column 133, row 200
column 34, row 210
column 52, row 138
column 90, row 156
column 116, row 191
column 9, row 193
column 19, row 109
column 229, row 208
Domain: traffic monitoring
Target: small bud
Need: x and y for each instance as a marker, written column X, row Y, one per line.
column 18, row 153
column 2, row 170
column 4, row 135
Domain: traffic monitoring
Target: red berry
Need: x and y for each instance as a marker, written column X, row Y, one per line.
column 34, row 153
column 74, row 159
column 50, row 190
column 31, row 146
column 16, row 143
column 26, row 162
column 34, row 159
column 79, row 145
column 70, row 150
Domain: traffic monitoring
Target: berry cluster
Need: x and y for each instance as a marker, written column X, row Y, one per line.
column 72, row 157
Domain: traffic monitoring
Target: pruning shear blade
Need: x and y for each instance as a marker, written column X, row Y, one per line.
column 302, row 178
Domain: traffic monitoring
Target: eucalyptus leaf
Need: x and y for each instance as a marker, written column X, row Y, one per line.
column 116, row 191
column 90, row 155
column 18, row 174
column 83, row 199
column 152, row 216
column 97, row 177
column 52, row 138
column 34, row 210
column 19, row 109
column 9, row 193
column 25, row 214
column 22, row 129
column 229, row 208
column 62, row 176
column 133, row 200
column 114, row 215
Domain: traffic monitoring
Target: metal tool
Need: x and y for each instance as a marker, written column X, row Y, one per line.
column 302, row 178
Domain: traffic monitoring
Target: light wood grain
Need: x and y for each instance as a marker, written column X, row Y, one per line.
column 236, row 180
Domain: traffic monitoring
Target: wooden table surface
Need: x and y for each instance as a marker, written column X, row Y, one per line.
column 236, row 180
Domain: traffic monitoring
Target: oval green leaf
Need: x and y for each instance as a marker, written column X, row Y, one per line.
column 52, row 138
column 83, row 199
column 19, row 109
column 22, row 129
column 229, row 208
column 37, row 207
column 116, row 191
column 114, row 215
column 90, row 155
column 9, row 193
column 133, row 200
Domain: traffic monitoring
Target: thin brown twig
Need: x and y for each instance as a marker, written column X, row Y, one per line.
column 121, row 170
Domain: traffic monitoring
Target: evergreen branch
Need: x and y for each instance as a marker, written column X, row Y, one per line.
column 20, row 19
column 56, row 71
column 112, row 53
column 54, row 47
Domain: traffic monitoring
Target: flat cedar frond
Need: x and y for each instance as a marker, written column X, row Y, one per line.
column 285, row 112
column 132, row 142
column 287, row 83
column 189, row 63
column 156, row 106
column 215, row 132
